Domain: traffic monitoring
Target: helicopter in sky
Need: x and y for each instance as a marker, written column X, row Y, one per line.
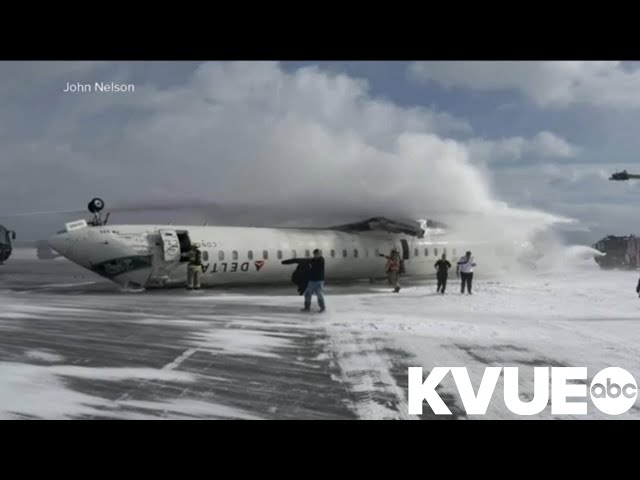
column 623, row 175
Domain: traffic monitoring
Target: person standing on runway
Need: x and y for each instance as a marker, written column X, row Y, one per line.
column 442, row 266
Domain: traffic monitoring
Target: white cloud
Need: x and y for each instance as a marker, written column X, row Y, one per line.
column 547, row 83
column 547, row 144
column 543, row 145
column 580, row 191
column 251, row 133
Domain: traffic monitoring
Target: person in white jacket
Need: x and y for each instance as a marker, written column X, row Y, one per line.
column 465, row 269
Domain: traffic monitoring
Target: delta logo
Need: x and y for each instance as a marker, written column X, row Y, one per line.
column 259, row 264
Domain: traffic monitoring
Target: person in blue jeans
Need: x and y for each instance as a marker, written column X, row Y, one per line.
column 312, row 276
column 316, row 281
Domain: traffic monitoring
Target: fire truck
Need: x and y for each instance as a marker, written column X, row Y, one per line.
column 5, row 243
column 619, row 252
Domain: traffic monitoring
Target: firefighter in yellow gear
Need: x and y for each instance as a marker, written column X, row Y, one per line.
column 194, row 269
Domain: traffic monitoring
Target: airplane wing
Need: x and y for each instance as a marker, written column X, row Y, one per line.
column 416, row 229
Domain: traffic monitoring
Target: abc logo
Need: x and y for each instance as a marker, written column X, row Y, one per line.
column 613, row 391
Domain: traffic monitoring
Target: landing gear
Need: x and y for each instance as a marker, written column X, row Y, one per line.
column 95, row 206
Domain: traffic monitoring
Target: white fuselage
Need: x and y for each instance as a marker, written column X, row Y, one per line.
column 148, row 256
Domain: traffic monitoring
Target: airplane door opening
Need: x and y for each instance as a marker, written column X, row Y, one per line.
column 185, row 244
column 405, row 249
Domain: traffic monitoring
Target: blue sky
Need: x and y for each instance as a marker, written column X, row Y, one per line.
column 351, row 135
column 503, row 112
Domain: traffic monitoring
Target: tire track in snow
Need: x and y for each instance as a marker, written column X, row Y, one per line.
column 366, row 372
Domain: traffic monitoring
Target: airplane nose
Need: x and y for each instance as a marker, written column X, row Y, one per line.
column 61, row 243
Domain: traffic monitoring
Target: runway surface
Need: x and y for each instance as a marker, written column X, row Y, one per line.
column 73, row 345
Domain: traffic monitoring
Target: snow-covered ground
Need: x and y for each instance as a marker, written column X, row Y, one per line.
column 76, row 347
column 585, row 318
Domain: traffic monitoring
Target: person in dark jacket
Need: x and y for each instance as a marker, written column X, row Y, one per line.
column 442, row 273
column 310, row 274
column 194, row 269
column 316, row 281
column 300, row 277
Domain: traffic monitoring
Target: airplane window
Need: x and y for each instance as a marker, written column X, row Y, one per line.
column 333, row 253
column 307, row 253
column 294, row 254
column 279, row 254
column 265, row 254
column 205, row 256
column 235, row 255
column 250, row 254
column 355, row 253
column 435, row 252
column 416, row 253
column 426, row 252
column 220, row 255
column 344, row 253
column 377, row 252
column 366, row 252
